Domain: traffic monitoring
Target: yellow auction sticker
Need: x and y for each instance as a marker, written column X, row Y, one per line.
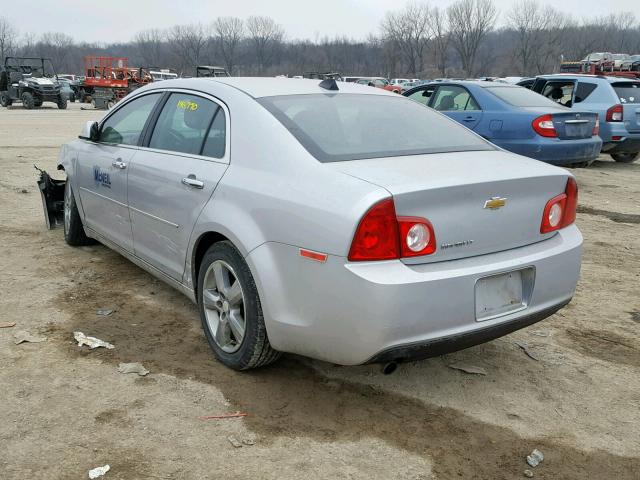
column 187, row 105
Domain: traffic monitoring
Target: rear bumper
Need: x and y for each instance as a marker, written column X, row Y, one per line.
column 452, row 343
column 353, row 313
column 555, row 151
column 630, row 144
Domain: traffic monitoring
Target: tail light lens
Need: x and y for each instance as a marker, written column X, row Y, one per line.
column 544, row 127
column 596, row 127
column 381, row 235
column 614, row 114
column 560, row 211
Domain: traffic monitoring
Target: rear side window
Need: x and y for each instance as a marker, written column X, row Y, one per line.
column 214, row 145
column 126, row 124
column 344, row 126
column 183, row 124
column 520, row 97
column 583, row 90
column 451, row 98
column 628, row 92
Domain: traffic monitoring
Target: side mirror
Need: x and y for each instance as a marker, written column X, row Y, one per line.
column 89, row 132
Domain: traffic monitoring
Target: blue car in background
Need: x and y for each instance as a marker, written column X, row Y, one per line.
column 616, row 100
column 516, row 119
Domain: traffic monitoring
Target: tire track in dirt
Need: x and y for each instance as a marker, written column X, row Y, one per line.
column 160, row 328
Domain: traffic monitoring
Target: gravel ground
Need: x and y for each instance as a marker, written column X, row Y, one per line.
column 65, row 410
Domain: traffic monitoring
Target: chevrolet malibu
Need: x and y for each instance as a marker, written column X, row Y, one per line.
column 298, row 221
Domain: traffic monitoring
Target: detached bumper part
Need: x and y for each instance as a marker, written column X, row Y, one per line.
column 52, row 194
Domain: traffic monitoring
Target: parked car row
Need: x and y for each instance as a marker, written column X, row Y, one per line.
column 604, row 61
column 561, row 119
column 616, row 101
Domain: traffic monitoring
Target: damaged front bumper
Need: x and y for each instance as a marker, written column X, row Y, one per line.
column 52, row 194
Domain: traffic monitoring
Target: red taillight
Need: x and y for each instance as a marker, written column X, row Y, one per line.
column 377, row 235
column 381, row 235
column 544, row 127
column 614, row 114
column 596, row 127
column 560, row 211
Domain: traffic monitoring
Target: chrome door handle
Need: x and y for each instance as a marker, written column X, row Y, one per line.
column 191, row 181
column 119, row 164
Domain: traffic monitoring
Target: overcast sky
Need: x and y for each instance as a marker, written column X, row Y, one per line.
column 119, row 20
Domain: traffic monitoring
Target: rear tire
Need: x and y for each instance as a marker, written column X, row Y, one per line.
column 73, row 231
column 625, row 157
column 28, row 101
column 254, row 349
column 62, row 103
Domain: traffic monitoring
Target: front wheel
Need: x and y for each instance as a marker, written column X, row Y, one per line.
column 73, row 231
column 28, row 101
column 230, row 310
column 625, row 157
column 62, row 103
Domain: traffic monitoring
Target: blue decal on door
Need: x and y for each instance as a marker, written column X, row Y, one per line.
column 102, row 177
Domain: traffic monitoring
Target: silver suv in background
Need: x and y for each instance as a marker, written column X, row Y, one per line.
column 615, row 99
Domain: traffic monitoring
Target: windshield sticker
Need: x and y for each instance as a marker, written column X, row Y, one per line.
column 187, row 105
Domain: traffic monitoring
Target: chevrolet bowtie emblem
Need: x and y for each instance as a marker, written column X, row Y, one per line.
column 495, row 202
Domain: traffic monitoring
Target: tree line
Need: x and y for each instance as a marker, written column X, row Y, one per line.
column 470, row 38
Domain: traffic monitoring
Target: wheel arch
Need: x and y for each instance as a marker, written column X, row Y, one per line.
column 200, row 247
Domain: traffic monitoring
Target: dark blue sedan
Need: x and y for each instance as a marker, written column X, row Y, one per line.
column 516, row 119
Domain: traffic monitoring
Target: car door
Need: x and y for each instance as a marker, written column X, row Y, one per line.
column 184, row 156
column 102, row 166
column 457, row 103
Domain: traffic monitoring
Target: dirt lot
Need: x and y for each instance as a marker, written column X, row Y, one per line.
column 64, row 410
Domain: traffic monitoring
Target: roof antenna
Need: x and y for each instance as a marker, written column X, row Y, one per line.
column 329, row 84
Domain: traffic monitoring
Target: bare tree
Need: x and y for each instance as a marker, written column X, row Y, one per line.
column 469, row 23
column 56, row 46
column 410, row 31
column 149, row 45
column 229, row 32
column 265, row 36
column 8, row 37
column 441, row 39
column 189, row 43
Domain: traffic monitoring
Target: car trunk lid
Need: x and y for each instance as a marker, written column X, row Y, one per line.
column 569, row 124
column 462, row 195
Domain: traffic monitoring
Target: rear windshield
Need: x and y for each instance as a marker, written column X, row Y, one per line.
column 628, row 92
column 340, row 127
column 521, row 97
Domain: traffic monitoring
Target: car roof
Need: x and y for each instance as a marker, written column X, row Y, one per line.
column 258, row 87
column 477, row 83
column 604, row 78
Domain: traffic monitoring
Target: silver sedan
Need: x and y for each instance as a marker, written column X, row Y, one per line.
column 331, row 220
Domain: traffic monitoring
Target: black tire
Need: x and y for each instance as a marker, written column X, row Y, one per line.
column 28, row 101
column 62, row 102
column 73, row 231
column 72, row 97
column 625, row 157
column 255, row 349
column 37, row 103
column 5, row 100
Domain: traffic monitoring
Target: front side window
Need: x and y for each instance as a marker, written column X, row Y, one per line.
column 345, row 126
column 126, row 124
column 452, row 97
column 183, row 124
column 559, row 92
column 422, row 96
